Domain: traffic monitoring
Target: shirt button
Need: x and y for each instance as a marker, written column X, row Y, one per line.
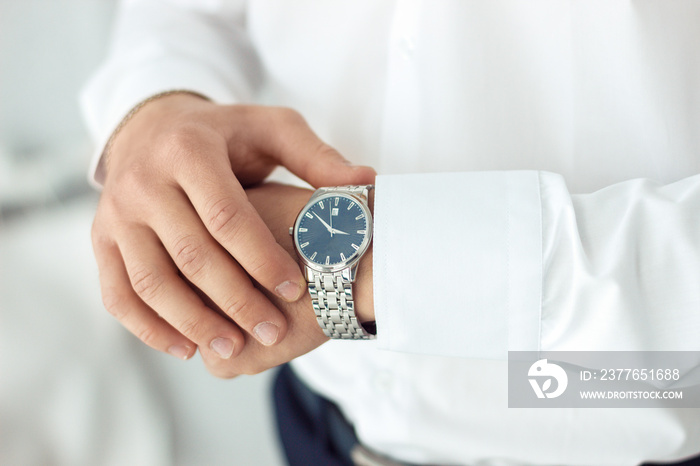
column 407, row 47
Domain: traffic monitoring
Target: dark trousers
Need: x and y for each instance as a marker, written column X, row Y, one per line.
column 310, row 426
column 314, row 432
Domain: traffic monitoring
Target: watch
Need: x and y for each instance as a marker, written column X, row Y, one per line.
column 331, row 234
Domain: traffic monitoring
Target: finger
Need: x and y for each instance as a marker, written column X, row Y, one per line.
column 223, row 207
column 154, row 278
column 289, row 140
column 120, row 300
column 212, row 270
column 303, row 335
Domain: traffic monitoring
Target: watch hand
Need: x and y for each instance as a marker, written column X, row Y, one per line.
column 330, row 211
column 328, row 227
column 339, row 232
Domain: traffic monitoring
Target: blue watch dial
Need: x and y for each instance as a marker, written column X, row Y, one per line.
column 332, row 230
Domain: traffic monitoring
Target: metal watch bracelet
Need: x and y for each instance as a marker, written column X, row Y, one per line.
column 332, row 294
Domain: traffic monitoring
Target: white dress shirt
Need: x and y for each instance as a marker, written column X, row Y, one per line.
column 539, row 188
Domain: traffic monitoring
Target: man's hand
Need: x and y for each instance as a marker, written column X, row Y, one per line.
column 175, row 237
column 279, row 205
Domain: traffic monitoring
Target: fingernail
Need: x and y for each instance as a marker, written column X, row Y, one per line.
column 222, row 346
column 180, row 351
column 266, row 332
column 289, row 290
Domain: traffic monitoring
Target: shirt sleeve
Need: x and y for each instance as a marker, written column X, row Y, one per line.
column 166, row 45
column 476, row 264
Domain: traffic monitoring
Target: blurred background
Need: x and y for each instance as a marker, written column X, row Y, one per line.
column 75, row 388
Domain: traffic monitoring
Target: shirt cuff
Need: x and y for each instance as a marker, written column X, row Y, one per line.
column 458, row 263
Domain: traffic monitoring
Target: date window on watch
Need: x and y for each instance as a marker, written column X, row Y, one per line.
column 334, row 212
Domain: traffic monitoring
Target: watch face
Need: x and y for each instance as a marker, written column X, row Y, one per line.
column 333, row 231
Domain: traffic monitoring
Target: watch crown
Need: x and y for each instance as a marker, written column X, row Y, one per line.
column 291, row 231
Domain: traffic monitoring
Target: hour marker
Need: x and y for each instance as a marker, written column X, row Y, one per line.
column 336, row 202
column 355, row 246
column 313, row 256
column 328, row 260
column 360, row 216
column 361, row 232
column 350, row 206
column 342, row 256
column 303, row 230
column 321, row 204
column 308, row 214
column 305, row 244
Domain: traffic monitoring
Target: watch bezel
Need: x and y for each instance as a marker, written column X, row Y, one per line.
column 348, row 263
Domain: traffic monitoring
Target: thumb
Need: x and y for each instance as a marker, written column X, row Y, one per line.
column 325, row 166
column 295, row 146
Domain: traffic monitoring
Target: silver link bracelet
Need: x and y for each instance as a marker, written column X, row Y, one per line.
column 331, row 293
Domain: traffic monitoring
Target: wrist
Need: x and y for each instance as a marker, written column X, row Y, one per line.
column 364, row 289
column 279, row 206
column 332, row 235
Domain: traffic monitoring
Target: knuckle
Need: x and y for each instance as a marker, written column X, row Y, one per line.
column 226, row 217
column 99, row 240
column 107, row 210
column 243, row 112
column 322, row 152
column 326, row 151
column 192, row 328
column 289, row 116
column 288, row 123
column 114, row 303
column 236, row 307
column 190, row 256
column 257, row 266
column 132, row 187
column 102, row 232
column 148, row 335
column 182, row 146
column 147, row 282
column 182, row 140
